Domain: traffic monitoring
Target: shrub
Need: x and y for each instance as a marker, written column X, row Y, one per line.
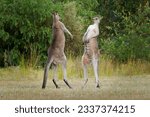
column 25, row 28
column 133, row 40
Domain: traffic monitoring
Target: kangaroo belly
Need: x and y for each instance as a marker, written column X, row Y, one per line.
column 57, row 47
column 58, row 56
column 90, row 50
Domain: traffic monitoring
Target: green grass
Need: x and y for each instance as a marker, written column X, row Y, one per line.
column 118, row 81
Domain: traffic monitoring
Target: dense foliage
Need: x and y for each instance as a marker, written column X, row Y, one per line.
column 25, row 28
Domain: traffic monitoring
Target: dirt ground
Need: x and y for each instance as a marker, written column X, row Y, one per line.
column 116, row 88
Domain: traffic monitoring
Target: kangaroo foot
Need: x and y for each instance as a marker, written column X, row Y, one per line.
column 67, row 84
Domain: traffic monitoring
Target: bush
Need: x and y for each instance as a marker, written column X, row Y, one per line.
column 72, row 21
column 133, row 41
column 25, row 28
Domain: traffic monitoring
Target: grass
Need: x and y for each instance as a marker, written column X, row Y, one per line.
column 108, row 68
column 118, row 81
column 111, row 88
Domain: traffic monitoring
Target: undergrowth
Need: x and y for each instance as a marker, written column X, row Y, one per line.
column 107, row 68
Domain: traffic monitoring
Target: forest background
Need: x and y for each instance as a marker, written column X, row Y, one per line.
column 124, row 40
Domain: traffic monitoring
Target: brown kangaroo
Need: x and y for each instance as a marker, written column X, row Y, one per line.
column 91, row 50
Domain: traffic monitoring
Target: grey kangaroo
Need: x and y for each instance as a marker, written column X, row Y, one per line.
column 56, row 53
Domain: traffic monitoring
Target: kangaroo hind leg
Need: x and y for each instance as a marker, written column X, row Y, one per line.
column 95, row 67
column 64, row 66
column 55, row 76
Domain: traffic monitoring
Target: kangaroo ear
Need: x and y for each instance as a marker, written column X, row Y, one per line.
column 56, row 12
column 101, row 17
column 53, row 13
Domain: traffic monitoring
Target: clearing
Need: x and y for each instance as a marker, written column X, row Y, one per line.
column 134, row 87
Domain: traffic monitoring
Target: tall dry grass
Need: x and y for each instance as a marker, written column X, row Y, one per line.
column 107, row 68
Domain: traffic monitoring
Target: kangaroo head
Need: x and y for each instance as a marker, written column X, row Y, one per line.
column 97, row 19
column 56, row 16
